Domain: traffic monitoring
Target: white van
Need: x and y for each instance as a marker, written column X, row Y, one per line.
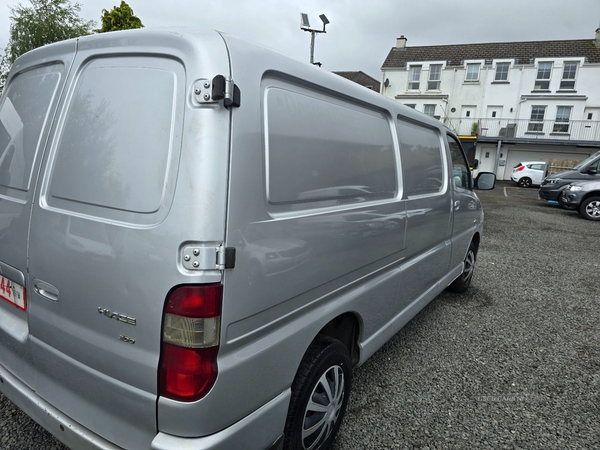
column 200, row 237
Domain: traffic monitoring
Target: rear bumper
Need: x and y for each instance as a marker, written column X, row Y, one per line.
column 65, row 429
column 260, row 430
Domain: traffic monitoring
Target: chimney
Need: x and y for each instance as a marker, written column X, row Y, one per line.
column 401, row 41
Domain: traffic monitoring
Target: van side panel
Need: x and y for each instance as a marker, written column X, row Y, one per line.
column 310, row 250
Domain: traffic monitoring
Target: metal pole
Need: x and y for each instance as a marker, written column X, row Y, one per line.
column 312, row 47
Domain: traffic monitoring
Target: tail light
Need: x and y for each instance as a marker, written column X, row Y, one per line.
column 190, row 342
column 520, row 168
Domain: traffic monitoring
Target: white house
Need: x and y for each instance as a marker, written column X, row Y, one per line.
column 522, row 100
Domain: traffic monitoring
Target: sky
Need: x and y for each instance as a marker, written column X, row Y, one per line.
column 360, row 33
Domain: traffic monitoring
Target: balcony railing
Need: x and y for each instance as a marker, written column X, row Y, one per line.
column 572, row 130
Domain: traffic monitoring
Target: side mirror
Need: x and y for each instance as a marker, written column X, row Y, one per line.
column 485, row 181
column 592, row 171
column 475, row 164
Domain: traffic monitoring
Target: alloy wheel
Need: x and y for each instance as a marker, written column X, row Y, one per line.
column 323, row 408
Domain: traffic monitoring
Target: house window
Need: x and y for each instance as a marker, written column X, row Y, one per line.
column 502, row 72
column 568, row 79
column 493, row 113
column 429, row 110
column 536, row 122
column 542, row 81
column 435, row 76
column 414, row 76
column 411, row 105
column 468, row 114
column 561, row 124
column 590, row 116
column 472, row 72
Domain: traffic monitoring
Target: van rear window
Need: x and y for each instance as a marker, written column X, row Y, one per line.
column 321, row 148
column 22, row 117
column 115, row 145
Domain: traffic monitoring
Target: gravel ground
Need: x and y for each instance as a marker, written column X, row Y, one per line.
column 514, row 363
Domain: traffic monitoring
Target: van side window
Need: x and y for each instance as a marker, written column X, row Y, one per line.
column 460, row 169
column 114, row 148
column 422, row 161
column 22, row 116
column 325, row 149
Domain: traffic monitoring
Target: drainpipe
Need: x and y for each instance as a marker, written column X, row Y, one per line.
column 496, row 164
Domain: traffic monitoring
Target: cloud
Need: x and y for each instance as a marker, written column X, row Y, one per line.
column 361, row 33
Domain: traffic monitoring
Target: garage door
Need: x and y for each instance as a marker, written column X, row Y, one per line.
column 516, row 155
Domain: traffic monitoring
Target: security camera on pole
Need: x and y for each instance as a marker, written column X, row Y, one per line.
column 305, row 25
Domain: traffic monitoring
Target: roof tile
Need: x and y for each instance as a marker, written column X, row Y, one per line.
column 522, row 52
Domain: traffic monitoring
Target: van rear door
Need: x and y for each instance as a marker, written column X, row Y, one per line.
column 99, row 244
column 27, row 109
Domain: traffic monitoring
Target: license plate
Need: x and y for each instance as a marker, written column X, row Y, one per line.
column 13, row 293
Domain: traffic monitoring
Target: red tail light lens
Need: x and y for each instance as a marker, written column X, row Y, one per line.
column 190, row 342
column 187, row 374
column 520, row 168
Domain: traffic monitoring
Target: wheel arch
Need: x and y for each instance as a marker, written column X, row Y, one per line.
column 476, row 240
column 590, row 194
column 345, row 328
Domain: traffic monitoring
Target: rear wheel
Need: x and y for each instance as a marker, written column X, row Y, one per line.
column 462, row 283
column 320, row 394
column 525, row 182
column 590, row 208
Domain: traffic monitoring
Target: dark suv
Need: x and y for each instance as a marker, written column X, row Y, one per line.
column 553, row 185
column 584, row 196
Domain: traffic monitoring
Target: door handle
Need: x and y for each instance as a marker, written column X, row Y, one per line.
column 46, row 290
column 457, row 204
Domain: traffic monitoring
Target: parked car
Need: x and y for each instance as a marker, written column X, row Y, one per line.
column 529, row 173
column 553, row 185
column 585, row 197
column 200, row 238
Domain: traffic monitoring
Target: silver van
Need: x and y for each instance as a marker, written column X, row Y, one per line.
column 200, row 237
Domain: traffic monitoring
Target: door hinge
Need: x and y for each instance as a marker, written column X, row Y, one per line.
column 225, row 257
column 202, row 257
column 219, row 88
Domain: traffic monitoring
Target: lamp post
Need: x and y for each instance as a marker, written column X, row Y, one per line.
column 305, row 25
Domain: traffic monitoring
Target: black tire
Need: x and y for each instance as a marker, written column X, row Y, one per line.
column 525, row 182
column 563, row 205
column 320, row 394
column 462, row 283
column 590, row 208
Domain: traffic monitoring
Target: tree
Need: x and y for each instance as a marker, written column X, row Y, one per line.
column 44, row 22
column 119, row 18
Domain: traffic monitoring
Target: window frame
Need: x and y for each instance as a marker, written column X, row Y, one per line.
column 411, row 81
column 434, row 84
column 498, row 65
column 562, row 121
column 571, row 80
column 469, row 73
column 536, row 124
column 428, row 106
column 463, row 159
column 542, row 83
